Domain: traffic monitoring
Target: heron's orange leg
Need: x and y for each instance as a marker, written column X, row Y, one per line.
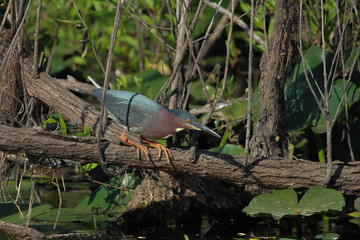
column 137, row 145
column 160, row 147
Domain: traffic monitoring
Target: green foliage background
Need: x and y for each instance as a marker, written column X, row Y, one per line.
column 144, row 22
column 75, row 45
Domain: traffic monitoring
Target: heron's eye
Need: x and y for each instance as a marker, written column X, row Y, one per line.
column 188, row 120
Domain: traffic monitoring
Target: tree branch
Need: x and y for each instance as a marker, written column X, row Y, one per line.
column 268, row 173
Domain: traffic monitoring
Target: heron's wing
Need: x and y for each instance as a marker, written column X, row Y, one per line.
column 132, row 110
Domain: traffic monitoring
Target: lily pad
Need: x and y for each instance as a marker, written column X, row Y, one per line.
column 36, row 211
column 319, row 199
column 278, row 204
column 328, row 236
column 357, row 204
column 284, row 202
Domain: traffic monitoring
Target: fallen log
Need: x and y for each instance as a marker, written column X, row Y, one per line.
column 268, row 173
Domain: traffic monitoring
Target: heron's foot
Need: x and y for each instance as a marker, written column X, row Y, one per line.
column 138, row 146
column 161, row 149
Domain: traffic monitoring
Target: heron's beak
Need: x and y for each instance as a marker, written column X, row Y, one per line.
column 199, row 127
column 208, row 130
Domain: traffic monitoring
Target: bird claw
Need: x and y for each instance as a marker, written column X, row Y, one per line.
column 167, row 152
column 161, row 149
column 145, row 150
column 137, row 145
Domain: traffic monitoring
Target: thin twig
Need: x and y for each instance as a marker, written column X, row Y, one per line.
column 105, row 184
column 206, row 35
column 6, row 15
column 12, row 21
column 36, row 40
column 216, row 33
column 14, row 38
column 108, row 68
column 333, row 69
column 197, row 15
column 326, row 102
column 219, row 98
column 188, row 77
column 60, row 199
column 20, row 13
column 226, row 71
column 52, row 51
column 139, row 20
column 18, row 193
column 32, row 196
column 96, row 53
column 306, row 67
column 177, row 83
column 352, row 156
column 237, row 20
column 202, row 47
column 21, row 60
column 192, row 55
column 140, row 40
column 250, row 75
column 171, row 19
column 347, row 84
column 167, row 84
column 342, row 56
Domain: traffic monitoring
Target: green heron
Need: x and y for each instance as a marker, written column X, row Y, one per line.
column 145, row 117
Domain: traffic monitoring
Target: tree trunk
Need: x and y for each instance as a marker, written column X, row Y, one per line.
column 270, row 137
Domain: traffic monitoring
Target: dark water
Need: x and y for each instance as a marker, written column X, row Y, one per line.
column 244, row 227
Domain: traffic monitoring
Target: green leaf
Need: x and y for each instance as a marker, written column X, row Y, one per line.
column 319, row 199
column 87, row 131
column 81, row 60
column 88, row 167
column 354, row 214
column 301, row 108
column 255, row 105
column 328, row 236
column 357, row 204
column 198, row 94
column 237, row 110
column 278, row 204
column 152, row 81
column 63, row 127
column 48, row 121
column 129, row 40
column 36, row 211
column 350, row 58
column 229, row 149
column 334, row 101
